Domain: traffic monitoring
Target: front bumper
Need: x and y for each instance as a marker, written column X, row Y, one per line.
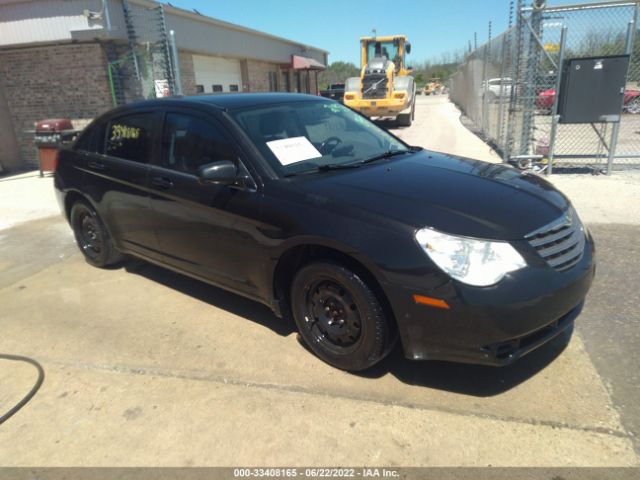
column 381, row 107
column 492, row 325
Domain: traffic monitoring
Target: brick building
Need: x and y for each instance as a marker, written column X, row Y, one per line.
column 78, row 58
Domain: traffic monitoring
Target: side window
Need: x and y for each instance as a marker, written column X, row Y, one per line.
column 130, row 137
column 216, row 88
column 86, row 141
column 233, row 88
column 92, row 139
column 199, row 88
column 189, row 142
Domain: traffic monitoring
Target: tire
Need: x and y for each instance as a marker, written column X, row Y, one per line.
column 633, row 107
column 405, row 119
column 92, row 237
column 339, row 317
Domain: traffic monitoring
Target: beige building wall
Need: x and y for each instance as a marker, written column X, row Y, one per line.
column 257, row 75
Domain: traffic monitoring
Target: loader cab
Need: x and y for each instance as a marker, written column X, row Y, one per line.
column 379, row 52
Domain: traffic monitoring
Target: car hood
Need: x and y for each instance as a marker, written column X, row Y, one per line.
column 451, row 194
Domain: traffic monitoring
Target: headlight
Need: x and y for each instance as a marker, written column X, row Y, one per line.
column 474, row 262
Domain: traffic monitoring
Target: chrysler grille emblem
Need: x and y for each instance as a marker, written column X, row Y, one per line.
column 569, row 217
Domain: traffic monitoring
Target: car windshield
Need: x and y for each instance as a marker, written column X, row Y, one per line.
column 310, row 136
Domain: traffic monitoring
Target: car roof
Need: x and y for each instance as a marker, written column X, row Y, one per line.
column 230, row 101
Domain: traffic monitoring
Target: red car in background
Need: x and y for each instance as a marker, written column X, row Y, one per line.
column 631, row 103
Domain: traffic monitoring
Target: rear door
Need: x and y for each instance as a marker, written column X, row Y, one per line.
column 208, row 230
column 117, row 178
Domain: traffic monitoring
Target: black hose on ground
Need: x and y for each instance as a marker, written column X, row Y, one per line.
column 32, row 392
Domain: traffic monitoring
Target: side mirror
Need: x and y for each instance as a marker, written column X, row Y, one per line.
column 408, row 47
column 222, row 172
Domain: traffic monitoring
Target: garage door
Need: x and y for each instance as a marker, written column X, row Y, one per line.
column 215, row 74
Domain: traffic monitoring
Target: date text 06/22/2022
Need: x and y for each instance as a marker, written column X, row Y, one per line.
column 315, row 472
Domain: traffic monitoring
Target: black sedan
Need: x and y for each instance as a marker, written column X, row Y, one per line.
column 299, row 203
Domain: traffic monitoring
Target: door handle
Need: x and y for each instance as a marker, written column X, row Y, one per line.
column 96, row 165
column 162, row 183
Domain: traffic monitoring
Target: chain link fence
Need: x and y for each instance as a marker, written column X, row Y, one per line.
column 507, row 87
column 143, row 68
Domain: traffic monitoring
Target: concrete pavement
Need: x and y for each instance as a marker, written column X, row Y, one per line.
column 26, row 197
column 146, row 367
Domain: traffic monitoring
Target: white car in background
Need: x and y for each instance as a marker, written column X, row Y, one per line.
column 495, row 88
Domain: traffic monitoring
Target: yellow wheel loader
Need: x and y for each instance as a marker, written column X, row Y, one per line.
column 385, row 88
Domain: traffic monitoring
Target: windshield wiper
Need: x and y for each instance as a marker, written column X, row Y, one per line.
column 341, row 166
column 388, row 154
column 324, row 168
column 337, row 166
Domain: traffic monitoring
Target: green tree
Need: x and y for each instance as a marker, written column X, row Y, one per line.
column 337, row 72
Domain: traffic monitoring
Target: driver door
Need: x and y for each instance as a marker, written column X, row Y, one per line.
column 203, row 229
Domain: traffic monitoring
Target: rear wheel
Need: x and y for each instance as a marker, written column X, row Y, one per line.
column 339, row 317
column 92, row 236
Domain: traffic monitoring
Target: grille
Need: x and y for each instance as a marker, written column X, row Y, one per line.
column 560, row 243
column 374, row 86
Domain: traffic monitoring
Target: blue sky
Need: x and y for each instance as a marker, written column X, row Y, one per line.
column 434, row 27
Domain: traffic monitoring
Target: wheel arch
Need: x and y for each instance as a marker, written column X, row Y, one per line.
column 71, row 197
column 297, row 256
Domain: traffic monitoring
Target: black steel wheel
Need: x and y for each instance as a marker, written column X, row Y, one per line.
column 339, row 317
column 91, row 236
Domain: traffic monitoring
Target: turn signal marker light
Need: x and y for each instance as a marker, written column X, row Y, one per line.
column 431, row 302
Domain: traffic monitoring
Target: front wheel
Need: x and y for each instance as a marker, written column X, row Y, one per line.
column 92, row 236
column 405, row 119
column 339, row 317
